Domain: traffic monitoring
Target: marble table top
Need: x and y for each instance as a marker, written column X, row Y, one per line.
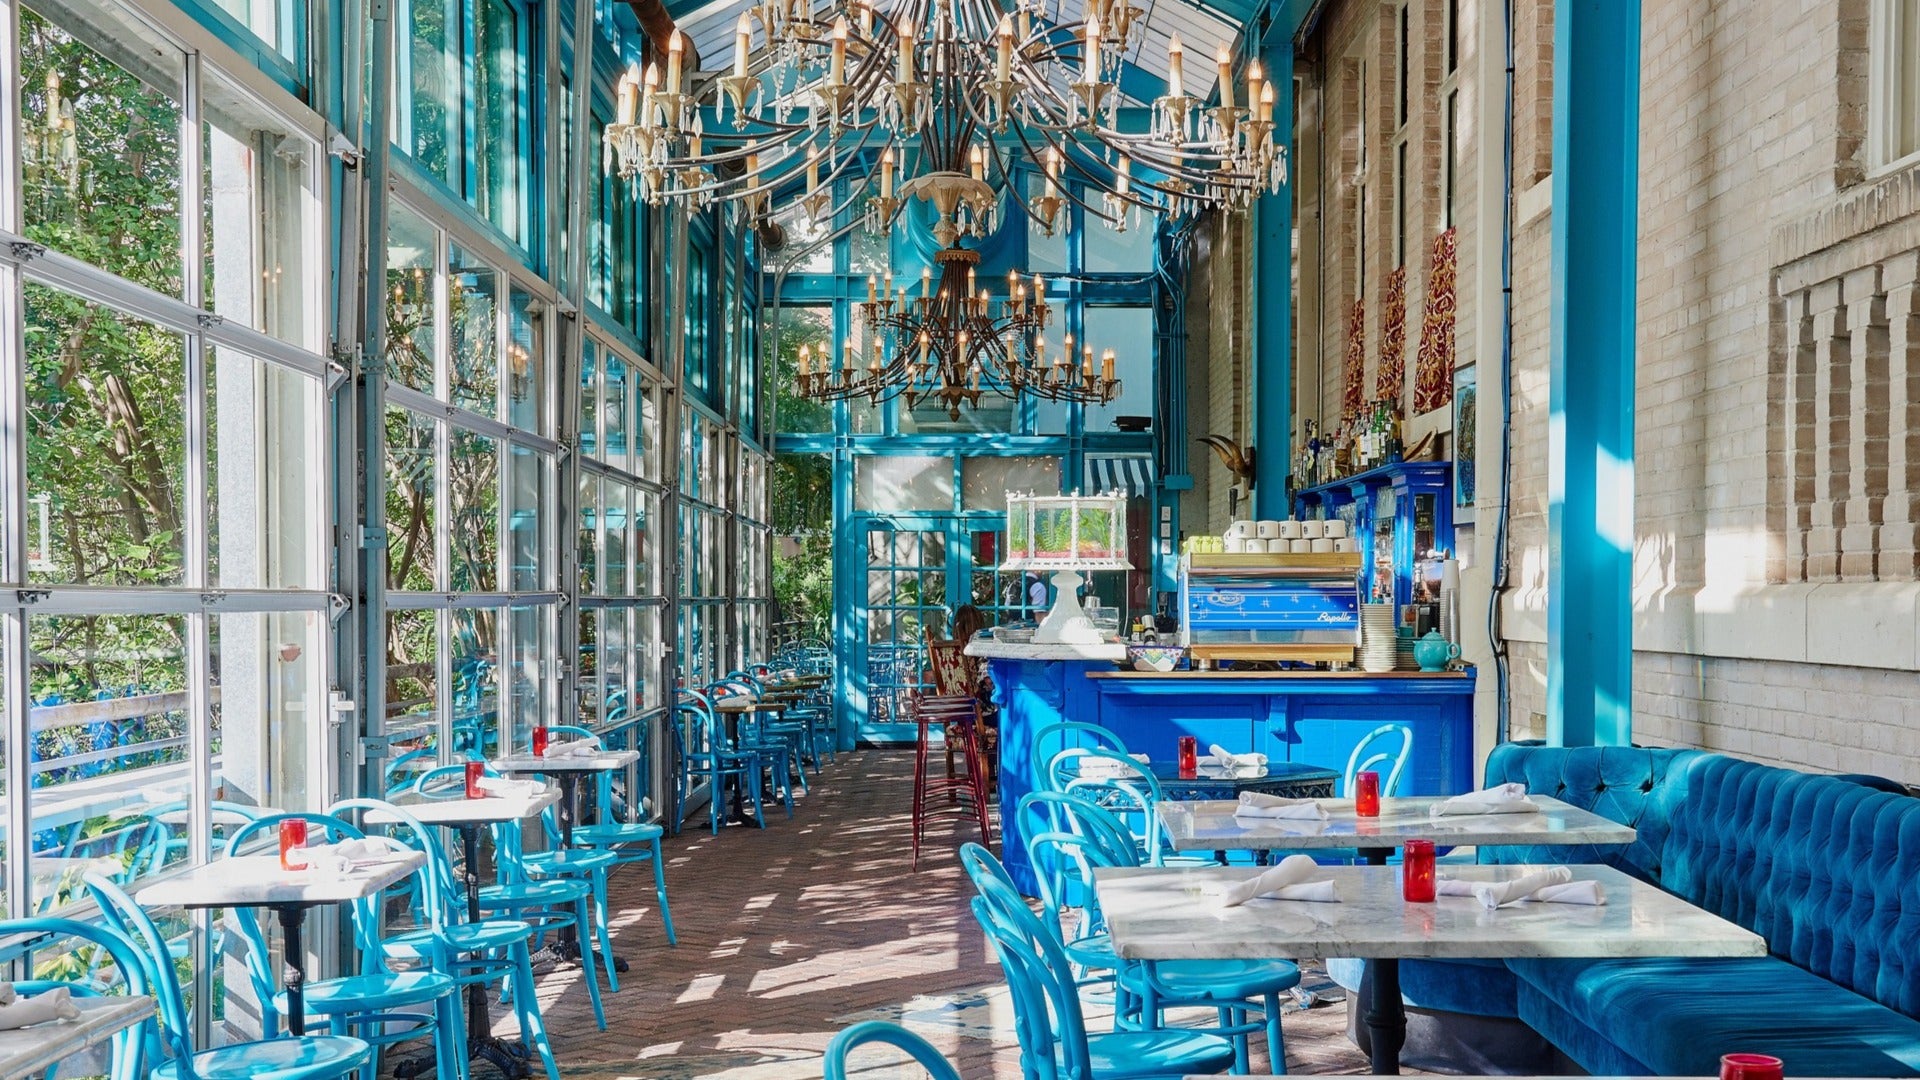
column 992, row 649
column 1165, row 914
column 1211, row 826
column 30, row 1050
column 258, row 881
column 463, row 811
column 1245, row 777
column 601, row 762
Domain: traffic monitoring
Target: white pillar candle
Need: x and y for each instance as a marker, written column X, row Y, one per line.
column 837, row 63
column 1226, row 76
column 676, row 47
column 1176, row 68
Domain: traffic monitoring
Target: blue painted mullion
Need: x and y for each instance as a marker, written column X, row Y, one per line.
column 1273, row 313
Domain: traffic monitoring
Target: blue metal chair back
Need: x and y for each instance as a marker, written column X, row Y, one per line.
column 1065, row 837
column 128, row 1045
column 1046, row 998
column 881, row 1032
column 120, row 914
column 1367, row 757
column 260, row 971
column 1122, row 786
column 1050, row 740
column 434, row 879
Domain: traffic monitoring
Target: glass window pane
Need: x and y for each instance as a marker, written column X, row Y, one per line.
column 615, row 403
column 646, row 510
column 100, row 143
column 531, row 488
column 475, row 681
column 617, row 554
column 1128, row 331
column 648, row 402
column 527, row 347
column 498, row 160
column 427, row 91
column 887, row 484
column 413, row 704
column 985, row 481
column 265, row 477
column 270, row 712
column 258, row 206
column 867, row 253
column 810, row 327
column 1109, row 251
column 588, row 540
column 412, row 549
column 806, row 250
column 591, row 686
column 473, row 505
column 110, row 775
column 412, row 307
column 106, row 443
column 591, row 446
column 529, row 690
column 647, row 623
column 474, row 374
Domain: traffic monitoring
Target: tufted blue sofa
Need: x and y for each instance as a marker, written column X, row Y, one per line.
column 1826, row 870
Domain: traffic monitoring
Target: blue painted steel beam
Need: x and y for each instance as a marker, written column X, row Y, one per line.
column 1596, row 166
column 1273, row 311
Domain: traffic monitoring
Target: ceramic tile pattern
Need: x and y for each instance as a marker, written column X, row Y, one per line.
column 788, row 935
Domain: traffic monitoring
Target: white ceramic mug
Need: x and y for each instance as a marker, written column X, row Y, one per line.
column 1289, row 530
column 1266, row 530
column 1299, row 547
column 1312, row 529
column 1322, row 546
column 1277, row 546
column 1333, row 528
column 1345, row 545
column 1240, row 530
column 1236, row 545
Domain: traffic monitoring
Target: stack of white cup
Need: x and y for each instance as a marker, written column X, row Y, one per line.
column 1311, row 536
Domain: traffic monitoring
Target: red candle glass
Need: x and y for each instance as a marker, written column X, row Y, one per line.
column 475, row 769
column 1366, row 794
column 540, row 741
column 293, row 838
column 1416, row 871
column 1189, row 755
column 1749, row 1067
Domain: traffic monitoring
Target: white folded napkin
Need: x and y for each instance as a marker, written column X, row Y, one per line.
column 1552, row 885
column 1220, row 755
column 572, row 748
column 7, row 993
column 341, row 859
column 501, row 788
column 1256, row 804
column 1499, row 799
column 1100, row 766
column 54, row 1004
column 1291, row 880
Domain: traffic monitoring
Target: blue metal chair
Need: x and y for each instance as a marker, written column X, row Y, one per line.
column 372, row 1003
column 879, row 1031
column 308, row 1057
column 129, row 1046
column 706, row 752
column 1050, row 741
column 779, row 745
column 1366, row 757
column 627, row 841
column 1054, row 1043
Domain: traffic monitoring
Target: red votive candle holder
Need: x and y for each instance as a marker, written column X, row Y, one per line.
column 1189, row 755
column 1749, row 1067
column 475, row 770
column 540, row 741
column 1416, row 871
column 293, row 839
column 1366, row 794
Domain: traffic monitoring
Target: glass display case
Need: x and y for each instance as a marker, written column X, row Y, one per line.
column 1085, row 531
column 1401, row 512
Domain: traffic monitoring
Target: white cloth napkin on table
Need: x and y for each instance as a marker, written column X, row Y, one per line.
column 1101, row 767
column 1220, row 755
column 7, row 993
column 1554, row 885
column 54, row 1004
column 501, row 788
column 572, row 748
column 1258, row 804
column 339, row 860
column 1499, row 799
column 1291, row 880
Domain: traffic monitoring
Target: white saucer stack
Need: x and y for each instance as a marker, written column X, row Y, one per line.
column 1378, row 641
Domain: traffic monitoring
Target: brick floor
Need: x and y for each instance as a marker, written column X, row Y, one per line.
column 790, row 933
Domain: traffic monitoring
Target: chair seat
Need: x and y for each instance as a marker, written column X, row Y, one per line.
column 609, row 834
column 1157, row 1053
column 574, row 861
column 310, row 1057
column 1217, row 980
column 1094, row 951
column 369, row 993
column 461, row 937
column 543, row 893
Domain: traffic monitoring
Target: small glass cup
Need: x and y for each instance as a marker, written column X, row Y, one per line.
column 475, row 769
column 1366, row 794
column 1749, row 1067
column 293, row 841
column 1416, row 871
column 1189, row 755
column 540, row 741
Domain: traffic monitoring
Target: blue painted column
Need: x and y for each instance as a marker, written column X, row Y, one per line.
column 1273, row 307
column 1596, row 176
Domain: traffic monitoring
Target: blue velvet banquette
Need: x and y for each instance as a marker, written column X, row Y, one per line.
column 1826, row 870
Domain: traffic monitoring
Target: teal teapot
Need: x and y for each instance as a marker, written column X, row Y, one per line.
column 1433, row 652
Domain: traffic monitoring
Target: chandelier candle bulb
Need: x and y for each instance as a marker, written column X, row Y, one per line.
column 1253, row 83
column 813, row 172
column 1106, row 366
column 1003, row 56
column 629, row 96
column 873, row 286
column 979, row 163
column 652, row 82
column 676, row 50
column 837, row 63
column 1176, row 68
column 1091, row 71
column 1225, row 61
column 742, row 45
column 886, row 174
column 1053, row 173
column 846, row 365
column 906, row 52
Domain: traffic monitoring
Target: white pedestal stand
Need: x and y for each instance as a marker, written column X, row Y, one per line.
column 1067, row 623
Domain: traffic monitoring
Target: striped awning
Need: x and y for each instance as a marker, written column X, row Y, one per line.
column 1131, row 473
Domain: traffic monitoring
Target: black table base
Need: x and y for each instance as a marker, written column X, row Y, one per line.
column 1381, row 1008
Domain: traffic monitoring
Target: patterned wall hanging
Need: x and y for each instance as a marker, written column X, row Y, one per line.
column 1433, row 371
column 1390, row 382
column 1354, row 392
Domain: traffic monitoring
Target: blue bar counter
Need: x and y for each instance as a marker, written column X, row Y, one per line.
column 1311, row 717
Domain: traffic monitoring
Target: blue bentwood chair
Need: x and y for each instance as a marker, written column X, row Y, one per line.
column 307, row 1057
column 623, row 837
column 1054, row 1042
column 879, row 1031
column 378, row 1004
column 129, row 1046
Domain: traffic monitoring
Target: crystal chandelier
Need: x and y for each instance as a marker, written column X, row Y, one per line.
column 951, row 97
column 950, row 345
